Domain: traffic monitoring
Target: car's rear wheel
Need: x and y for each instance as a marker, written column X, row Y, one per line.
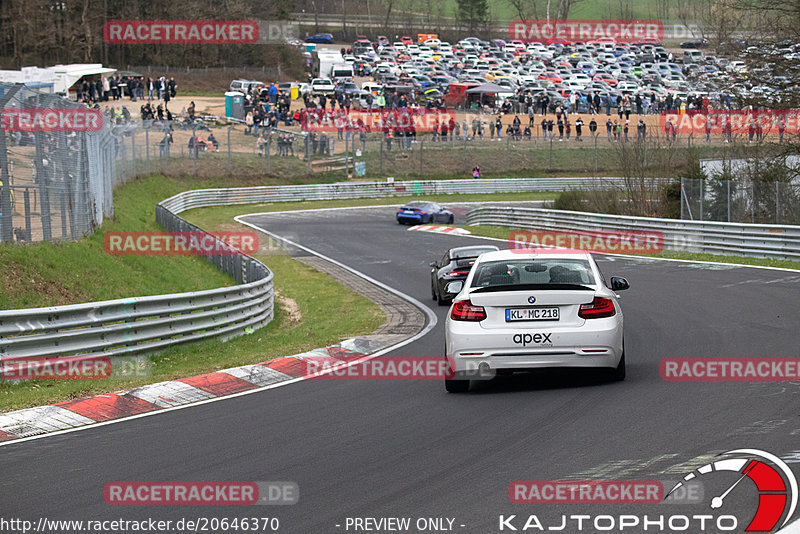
column 451, row 220
column 456, row 386
column 441, row 301
column 618, row 374
column 434, row 296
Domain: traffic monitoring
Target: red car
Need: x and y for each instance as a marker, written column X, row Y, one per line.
column 610, row 80
column 406, row 40
column 552, row 76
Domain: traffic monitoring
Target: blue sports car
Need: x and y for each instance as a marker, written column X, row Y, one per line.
column 321, row 38
column 422, row 211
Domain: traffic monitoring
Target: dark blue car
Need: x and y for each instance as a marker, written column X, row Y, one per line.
column 321, row 38
column 422, row 211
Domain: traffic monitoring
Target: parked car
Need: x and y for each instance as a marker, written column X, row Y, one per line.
column 320, row 38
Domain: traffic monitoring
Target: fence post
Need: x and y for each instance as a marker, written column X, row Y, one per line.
column 777, row 204
column 194, row 148
column 466, row 161
column 346, row 152
column 147, row 147
column 381, row 156
column 595, row 153
column 550, row 165
column 44, row 188
column 682, row 198
column 268, row 146
column 133, row 151
column 229, row 149
column 421, row 143
column 508, row 154
column 27, row 197
column 5, row 199
column 702, row 193
column 308, row 154
column 729, row 199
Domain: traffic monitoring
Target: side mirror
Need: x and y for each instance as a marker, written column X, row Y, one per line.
column 619, row 284
column 432, row 264
column 454, row 288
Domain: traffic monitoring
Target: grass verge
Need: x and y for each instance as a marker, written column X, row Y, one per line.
column 221, row 214
column 82, row 271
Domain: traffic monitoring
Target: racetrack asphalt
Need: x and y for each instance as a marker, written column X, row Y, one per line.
column 408, row 449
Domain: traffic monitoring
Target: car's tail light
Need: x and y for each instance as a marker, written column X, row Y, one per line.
column 457, row 273
column 600, row 307
column 464, row 310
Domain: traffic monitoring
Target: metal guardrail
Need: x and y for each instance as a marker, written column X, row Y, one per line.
column 754, row 240
column 146, row 324
column 124, row 327
column 347, row 190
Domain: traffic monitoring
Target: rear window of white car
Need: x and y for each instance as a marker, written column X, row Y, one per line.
column 541, row 271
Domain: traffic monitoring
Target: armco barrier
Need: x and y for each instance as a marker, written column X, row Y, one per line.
column 347, row 190
column 147, row 324
column 755, row 240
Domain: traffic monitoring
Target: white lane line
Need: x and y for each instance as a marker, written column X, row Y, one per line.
column 431, row 323
column 791, row 528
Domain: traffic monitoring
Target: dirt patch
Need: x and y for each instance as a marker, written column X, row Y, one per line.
column 290, row 308
column 17, row 284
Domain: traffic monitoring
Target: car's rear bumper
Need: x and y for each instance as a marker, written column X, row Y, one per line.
column 411, row 219
column 597, row 343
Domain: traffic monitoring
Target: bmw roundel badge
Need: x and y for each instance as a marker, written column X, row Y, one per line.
column 531, row 299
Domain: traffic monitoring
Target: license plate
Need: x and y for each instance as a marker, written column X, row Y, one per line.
column 531, row 314
column 408, row 212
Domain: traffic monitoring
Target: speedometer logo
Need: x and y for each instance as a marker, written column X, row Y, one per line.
column 775, row 482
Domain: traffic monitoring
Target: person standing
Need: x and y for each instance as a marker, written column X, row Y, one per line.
column 593, row 127
column 499, row 125
column 476, row 172
column 578, row 129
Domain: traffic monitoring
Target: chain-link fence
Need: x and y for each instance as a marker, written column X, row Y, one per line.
column 207, row 148
column 56, row 167
column 740, row 200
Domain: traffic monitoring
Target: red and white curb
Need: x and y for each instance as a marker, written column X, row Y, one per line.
column 452, row 230
column 153, row 397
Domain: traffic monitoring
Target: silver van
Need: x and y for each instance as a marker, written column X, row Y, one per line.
column 245, row 85
column 693, row 56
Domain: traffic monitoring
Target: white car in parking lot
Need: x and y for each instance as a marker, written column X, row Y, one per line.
column 521, row 310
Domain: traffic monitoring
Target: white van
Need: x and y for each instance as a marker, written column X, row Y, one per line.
column 342, row 71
